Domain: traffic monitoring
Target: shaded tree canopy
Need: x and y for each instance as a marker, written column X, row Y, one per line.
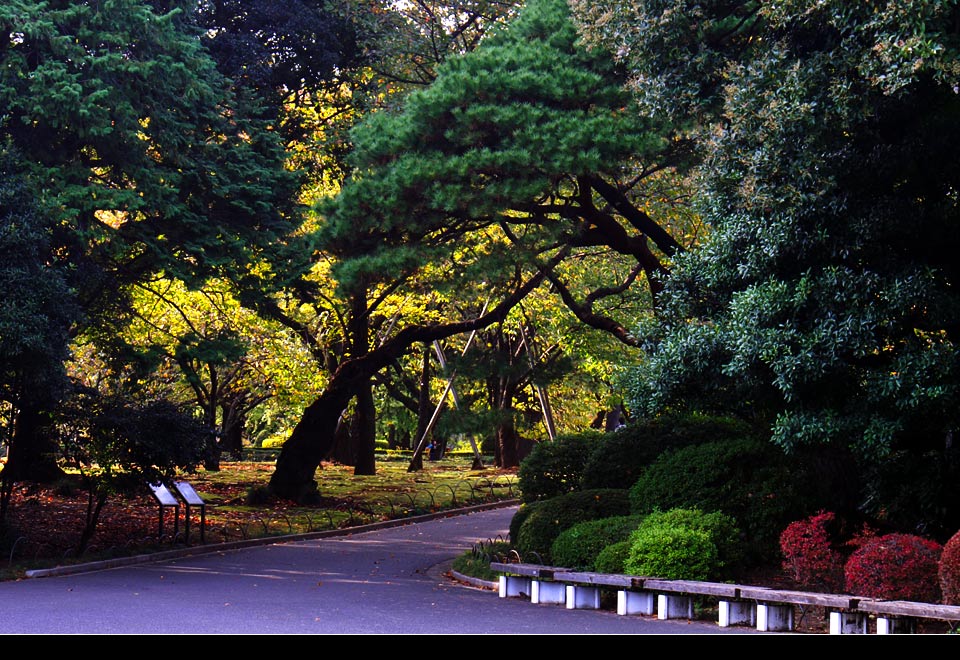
column 825, row 299
column 139, row 152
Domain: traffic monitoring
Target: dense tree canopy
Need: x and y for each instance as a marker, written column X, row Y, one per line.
column 520, row 156
column 137, row 149
column 826, row 297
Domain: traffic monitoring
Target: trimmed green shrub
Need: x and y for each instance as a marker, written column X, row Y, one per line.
column 619, row 460
column 578, row 546
column 949, row 572
column 750, row 480
column 674, row 553
column 612, row 558
column 550, row 517
column 895, row 567
column 517, row 521
column 684, row 544
column 555, row 468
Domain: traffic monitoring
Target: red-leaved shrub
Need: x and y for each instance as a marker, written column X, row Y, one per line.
column 895, row 567
column 950, row 571
column 809, row 556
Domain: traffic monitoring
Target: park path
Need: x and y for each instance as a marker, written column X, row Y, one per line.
column 388, row 581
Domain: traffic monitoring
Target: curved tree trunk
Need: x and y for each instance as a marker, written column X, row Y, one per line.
column 313, row 435
column 309, row 443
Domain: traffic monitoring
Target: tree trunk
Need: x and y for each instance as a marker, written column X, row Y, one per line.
column 366, row 443
column 309, row 443
column 344, row 451
column 33, row 450
column 312, row 437
column 234, row 419
column 424, row 411
column 507, row 441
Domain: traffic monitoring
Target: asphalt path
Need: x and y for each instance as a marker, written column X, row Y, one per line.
column 388, row 581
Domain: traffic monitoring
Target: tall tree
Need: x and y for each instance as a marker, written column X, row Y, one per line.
column 826, row 298
column 140, row 148
column 37, row 309
column 529, row 140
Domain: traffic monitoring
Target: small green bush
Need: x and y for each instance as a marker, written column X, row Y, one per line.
column 578, row 546
column 750, row 480
column 683, row 544
column 673, row 553
column 620, row 458
column 721, row 528
column 612, row 558
column 555, row 468
column 542, row 526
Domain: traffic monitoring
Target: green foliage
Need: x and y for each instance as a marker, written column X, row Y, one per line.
column 37, row 307
column 476, row 561
column 501, row 128
column 579, row 546
column 619, row 458
column 825, row 298
column 142, row 148
column 748, row 479
column 550, row 517
column 722, row 530
column 672, row 552
column 915, row 491
column 613, row 558
column 118, row 446
column 555, row 468
column 519, row 517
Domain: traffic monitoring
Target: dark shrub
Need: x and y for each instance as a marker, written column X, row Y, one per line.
column 555, row 468
column 895, row 567
column 949, row 572
column 550, row 517
column 750, row 480
column 621, row 457
column 578, row 546
column 517, row 521
column 917, row 491
column 612, row 558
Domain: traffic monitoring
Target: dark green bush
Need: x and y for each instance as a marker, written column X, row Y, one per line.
column 517, row 521
column 750, row 480
column 612, row 558
column 578, row 546
column 620, row 458
column 550, row 517
column 555, row 468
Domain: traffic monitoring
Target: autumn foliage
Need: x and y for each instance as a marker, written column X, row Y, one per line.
column 895, row 567
column 809, row 553
column 950, row 571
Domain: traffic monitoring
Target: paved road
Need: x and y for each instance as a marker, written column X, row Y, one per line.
column 380, row 582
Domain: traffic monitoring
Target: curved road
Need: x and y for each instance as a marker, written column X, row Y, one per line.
column 388, row 581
